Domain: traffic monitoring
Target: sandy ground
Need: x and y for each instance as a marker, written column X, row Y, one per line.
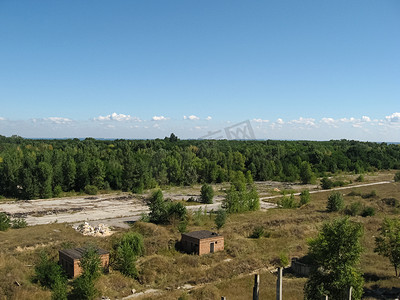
column 119, row 210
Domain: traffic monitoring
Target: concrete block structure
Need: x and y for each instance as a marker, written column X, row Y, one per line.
column 69, row 260
column 202, row 242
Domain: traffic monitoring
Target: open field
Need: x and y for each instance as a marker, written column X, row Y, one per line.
column 228, row 273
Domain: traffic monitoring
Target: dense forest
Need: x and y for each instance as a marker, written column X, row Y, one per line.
column 44, row 168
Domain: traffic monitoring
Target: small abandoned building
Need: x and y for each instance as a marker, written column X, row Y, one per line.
column 69, row 260
column 202, row 242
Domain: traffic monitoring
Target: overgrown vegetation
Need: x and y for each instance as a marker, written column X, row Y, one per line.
column 5, row 222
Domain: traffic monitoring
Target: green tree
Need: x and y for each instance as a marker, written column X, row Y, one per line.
column 306, row 174
column 388, row 242
column 84, row 285
column 48, row 272
column 335, row 254
column 5, row 222
column 220, row 218
column 335, row 202
column 206, row 194
column 158, row 209
column 125, row 252
column 59, row 290
column 45, row 179
column 305, row 197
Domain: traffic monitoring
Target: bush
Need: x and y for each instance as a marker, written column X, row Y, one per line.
column 182, row 226
column 220, row 219
column 91, row 189
column 257, row 232
column 335, row 202
column 305, row 197
column 397, row 176
column 369, row 195
column 59, row 290
column 48, row 272
column 360, row 178
column 326, row 183
column 354, row 209
column 391, row 202
column 368, row 211
column 19, row 223
column 83, row 288
column 288, row 202
column 4, row 222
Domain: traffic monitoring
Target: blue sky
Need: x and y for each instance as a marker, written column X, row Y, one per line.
column 134, row 69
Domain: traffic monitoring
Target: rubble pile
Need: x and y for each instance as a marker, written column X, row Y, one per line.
column 99, row 230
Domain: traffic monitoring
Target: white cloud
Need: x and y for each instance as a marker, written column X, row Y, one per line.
column 329, row 121
column 304, row 121
column 208, row 118
column 393, row 118
column 280, row 121
column 260, row 121
column 191, row 117
column 366, row 119
column 117, row 117
column 57, row 120
column 2, row 119
column 159, row 118
column 357, row 125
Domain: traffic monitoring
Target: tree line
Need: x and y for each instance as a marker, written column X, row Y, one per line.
column 45, row 168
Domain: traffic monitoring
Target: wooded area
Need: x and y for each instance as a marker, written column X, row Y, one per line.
column 44, row 168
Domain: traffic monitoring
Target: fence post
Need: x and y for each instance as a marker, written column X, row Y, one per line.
column 256, row 288
column 325, row 297
column 223, row 298
column 350, row 292
column 279, row 284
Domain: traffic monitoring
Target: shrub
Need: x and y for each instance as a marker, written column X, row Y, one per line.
column 360, row 178
column 83, row 288
column 4, row 222
column 304, row 197
column 391, row 202
column 354, row 209
column 326, row 183
column 59, row 290
column 257, row 232
column 368, row 211
column 91, row 189
column 369, row 195
column 397, row 176
column 354, row 193
column 18, row 223
column 182, row 226
column 220, row 219
column 288, row 202
column 335, row 202
column 48, row 272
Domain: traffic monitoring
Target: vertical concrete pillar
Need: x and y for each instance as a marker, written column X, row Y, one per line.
column 279, row 285
column 325, row 297
column 223, row 298
column 256, row 288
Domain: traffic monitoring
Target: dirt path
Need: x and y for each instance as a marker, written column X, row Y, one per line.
column 334, row 189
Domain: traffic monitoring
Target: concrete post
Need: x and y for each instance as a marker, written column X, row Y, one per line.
column 256, row 288
column 279, row 284
column 325, row 297
column 223, row 298
column 350, row 292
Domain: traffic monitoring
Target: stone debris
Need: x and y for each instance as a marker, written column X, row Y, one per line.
column 99, row 230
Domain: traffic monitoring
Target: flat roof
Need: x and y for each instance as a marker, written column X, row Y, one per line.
column 201, row 234
column 77, row 253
